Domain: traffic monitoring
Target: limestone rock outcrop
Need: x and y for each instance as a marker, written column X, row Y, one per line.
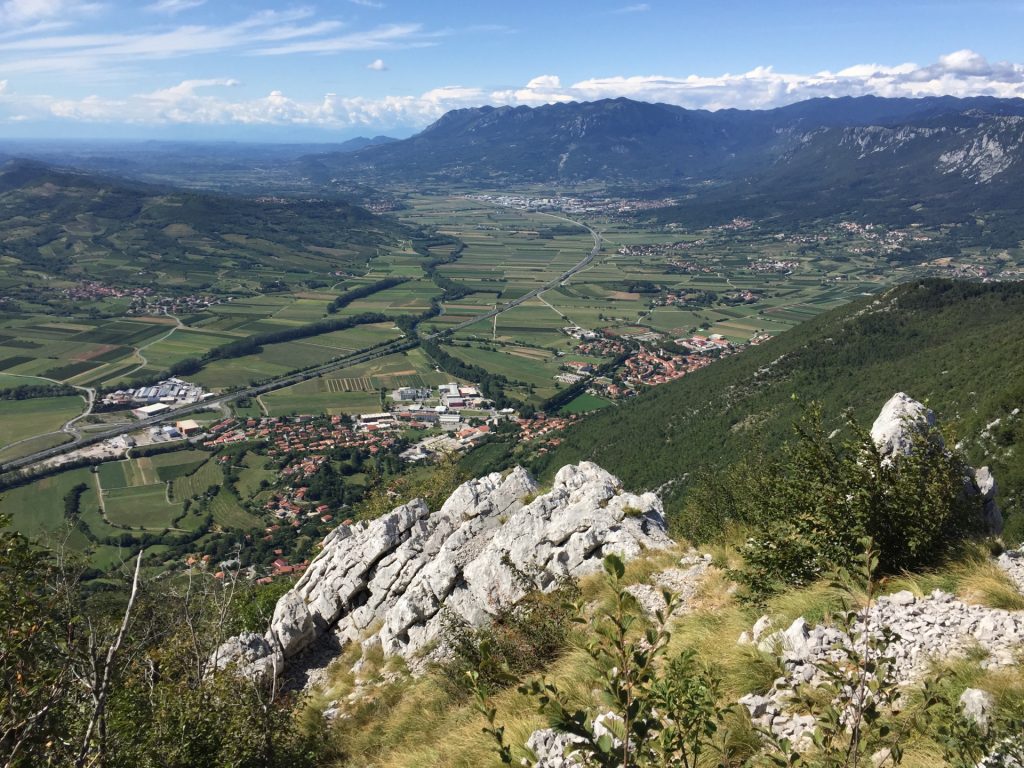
column 901, row 420
column 252, row 654
column 1013, row 563
column 682, row 582
column 977, row 706
column 386, row 582
column 897, row 424
column 924, row 628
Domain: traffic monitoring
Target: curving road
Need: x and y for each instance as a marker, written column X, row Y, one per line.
column 598, row 241
column 138, row 350
column 357, row 358
column 68, row 427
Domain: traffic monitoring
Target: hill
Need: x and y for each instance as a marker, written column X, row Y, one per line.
column 951, row 167
column 956, row 346
column 73, row 225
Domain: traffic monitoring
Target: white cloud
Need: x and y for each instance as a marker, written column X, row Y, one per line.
column 367, row 3
column 963, row 73
column 964, row 61
column 267, row 33
column 80, row 56
column 187, row 89
column 635, row 8
column 3, row 86
column 17, row 13
column 173, row 7
column 377, row 65
column 383, row 37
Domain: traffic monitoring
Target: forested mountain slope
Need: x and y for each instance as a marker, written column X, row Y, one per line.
column 957, row 346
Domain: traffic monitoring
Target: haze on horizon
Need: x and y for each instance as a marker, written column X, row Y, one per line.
column 281, row 71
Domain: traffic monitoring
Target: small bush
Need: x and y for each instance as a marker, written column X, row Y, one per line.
column 521, row 639
column 809, row 508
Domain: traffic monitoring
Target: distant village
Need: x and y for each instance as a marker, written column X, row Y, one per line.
column 456, row 415
column 143, row 300
column 574, row 205
column 648, row 359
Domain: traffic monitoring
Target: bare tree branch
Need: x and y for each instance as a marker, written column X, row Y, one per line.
column 101, row 678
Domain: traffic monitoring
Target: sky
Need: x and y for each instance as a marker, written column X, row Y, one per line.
column 328, row 71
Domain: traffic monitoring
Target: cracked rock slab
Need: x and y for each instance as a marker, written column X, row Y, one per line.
column 483, row 550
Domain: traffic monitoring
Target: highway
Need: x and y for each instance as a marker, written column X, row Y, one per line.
column 294, row 378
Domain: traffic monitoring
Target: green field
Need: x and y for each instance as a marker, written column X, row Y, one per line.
column 228, row 513
column 21, row 419
column 355, row 389
column 253, row 474
column 279, row 359
column 143, row 506
column 586, row 403
column 39, row 507
column 196, row 484
column 150, row 470
column 515, row 363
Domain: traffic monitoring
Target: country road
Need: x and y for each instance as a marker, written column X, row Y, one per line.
column 288, row 380
column 598, row 241
column 68, row 428
column 138, row 350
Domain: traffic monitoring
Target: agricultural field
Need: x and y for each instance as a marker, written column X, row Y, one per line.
column 586, row 404
column 535, row 368
column 23, row 419
column 253, row 474
column 142, row 506
column 38, row 509
column 125, row 500
column 279, row 359
column 733, row 280
column 196, row 484
column 151, row 469
column 82, row 352
column 356, row 389
column 135, row 493
column 228, row 513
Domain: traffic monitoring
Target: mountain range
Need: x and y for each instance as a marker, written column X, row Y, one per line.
column 893, row 158
column 624, row 140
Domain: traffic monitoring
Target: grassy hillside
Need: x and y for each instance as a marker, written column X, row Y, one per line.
column 957, row 346
column 66, row 226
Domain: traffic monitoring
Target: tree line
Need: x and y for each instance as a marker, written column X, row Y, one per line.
column 363, row 291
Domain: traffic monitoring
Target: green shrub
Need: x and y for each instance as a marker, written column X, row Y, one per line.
column 521, row 639
column 809, row 508
column 661, row 710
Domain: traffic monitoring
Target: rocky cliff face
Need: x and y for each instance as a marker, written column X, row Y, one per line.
column 386, row 582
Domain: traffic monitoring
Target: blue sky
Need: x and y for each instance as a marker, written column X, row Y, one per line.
column 332, row 70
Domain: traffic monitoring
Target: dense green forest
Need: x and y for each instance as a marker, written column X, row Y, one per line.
column 957, row 346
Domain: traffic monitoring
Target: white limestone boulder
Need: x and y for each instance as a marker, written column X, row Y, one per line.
column 899, row 421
